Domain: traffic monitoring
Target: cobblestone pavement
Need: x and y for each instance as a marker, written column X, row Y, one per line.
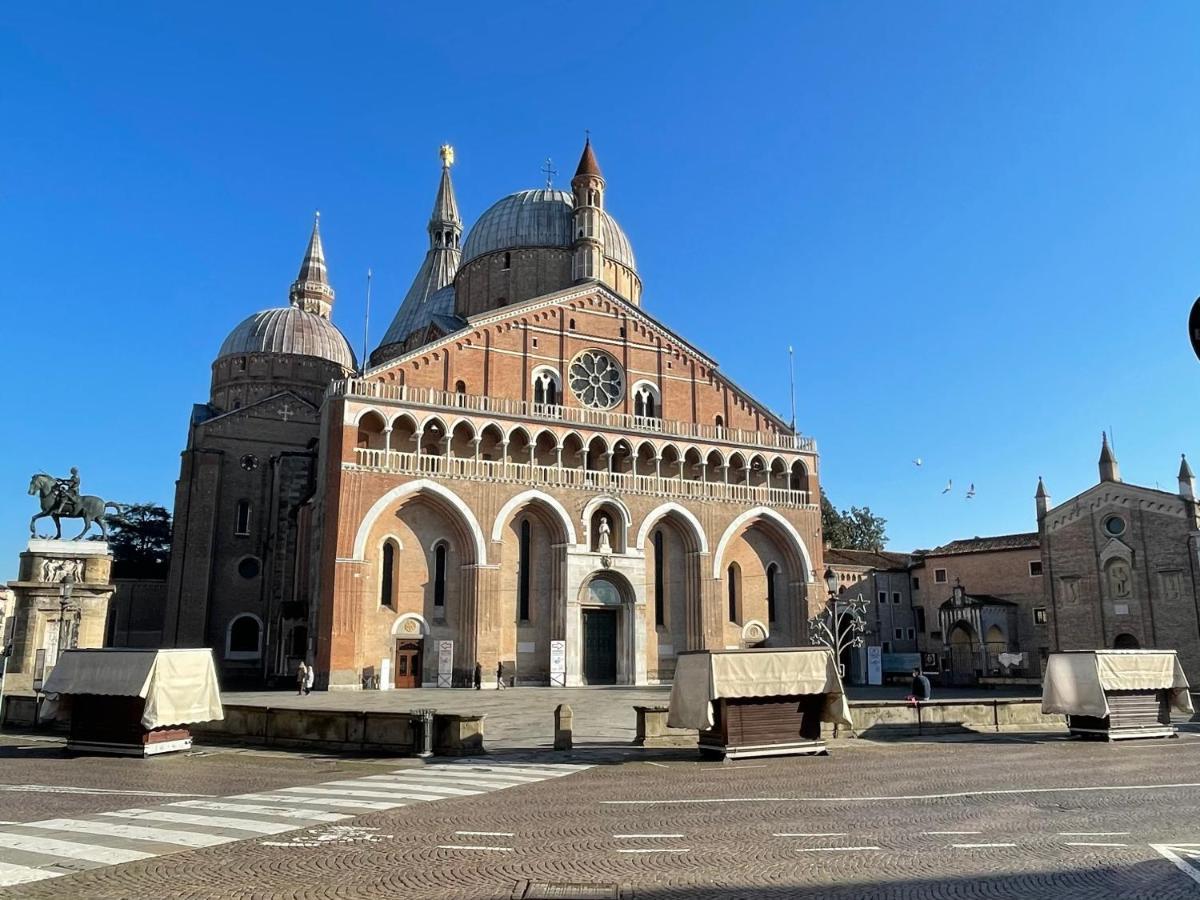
column 984, row 816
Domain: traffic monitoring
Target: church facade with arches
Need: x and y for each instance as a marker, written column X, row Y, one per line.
column 528, row 457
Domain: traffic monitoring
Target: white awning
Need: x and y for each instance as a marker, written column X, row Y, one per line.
column 702, row 677
column 179, row 686
column 1075, row 682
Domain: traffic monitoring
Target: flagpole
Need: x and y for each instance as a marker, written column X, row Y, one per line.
column 792, row 385
column 366, row 322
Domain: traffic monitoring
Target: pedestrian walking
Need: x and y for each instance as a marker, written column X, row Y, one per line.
column 920, row 687
column 500, row 675
column 301, row 677
column 309, row 676
column 478, row 676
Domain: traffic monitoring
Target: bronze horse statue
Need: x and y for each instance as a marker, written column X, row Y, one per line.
column 89, row 507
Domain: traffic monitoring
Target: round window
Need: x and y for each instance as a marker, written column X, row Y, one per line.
column 1114, row 525
column 596, row 379
column 248, row 567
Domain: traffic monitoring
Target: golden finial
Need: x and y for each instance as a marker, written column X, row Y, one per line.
column 447, row 154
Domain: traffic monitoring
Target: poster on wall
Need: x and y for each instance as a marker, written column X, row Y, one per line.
column 558, row 663
column 445, row 664
column 874, row 664
column 931, row 664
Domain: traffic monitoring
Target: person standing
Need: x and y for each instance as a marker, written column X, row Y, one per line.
column 310, row 675
column 920, row 686
column 301, row 677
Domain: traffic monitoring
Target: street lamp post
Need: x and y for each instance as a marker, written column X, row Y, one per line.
column 841, row 624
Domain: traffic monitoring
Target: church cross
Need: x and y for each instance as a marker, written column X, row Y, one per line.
column 550, row 172
column 286, row 412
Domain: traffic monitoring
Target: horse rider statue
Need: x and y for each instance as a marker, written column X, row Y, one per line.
column 66, row 494
column 60, row 499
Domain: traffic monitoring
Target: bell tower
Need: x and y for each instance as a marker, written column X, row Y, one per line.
column 587, row 263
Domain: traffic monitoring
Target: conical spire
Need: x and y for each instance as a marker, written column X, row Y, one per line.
column 587, row 162
column 1041, row 489
column 445, row 226
column 311, row 290
column 1185, row 471
column 1109, row 470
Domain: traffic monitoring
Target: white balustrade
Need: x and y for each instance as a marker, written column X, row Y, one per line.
column 584, row 479
column 597, row 418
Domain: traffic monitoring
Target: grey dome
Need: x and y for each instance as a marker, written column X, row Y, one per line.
column 539, row 219
column 289, row 330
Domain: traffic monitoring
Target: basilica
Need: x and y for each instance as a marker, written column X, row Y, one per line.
column 530, row 480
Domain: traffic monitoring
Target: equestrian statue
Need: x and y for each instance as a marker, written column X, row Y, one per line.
column 60, row 499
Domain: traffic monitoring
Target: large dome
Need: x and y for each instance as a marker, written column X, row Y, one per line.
column 289, row 330
column 538, row 219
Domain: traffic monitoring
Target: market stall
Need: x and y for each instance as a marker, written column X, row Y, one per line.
column 1116, row 694
column 132, row 702
column 758, row 702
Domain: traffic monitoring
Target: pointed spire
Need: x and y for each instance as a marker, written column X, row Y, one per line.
column 1041, row 500
column 1041, row 489
column 311, row 290
column 1109, row 470
column 445, row 207
column 1185, row 470
column 587, row 162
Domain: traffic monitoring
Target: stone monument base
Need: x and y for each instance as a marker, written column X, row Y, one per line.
column 60, row 601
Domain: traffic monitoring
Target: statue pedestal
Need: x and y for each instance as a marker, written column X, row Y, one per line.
column 60, row 601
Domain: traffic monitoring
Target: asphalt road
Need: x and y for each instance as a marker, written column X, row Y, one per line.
column 983, row 816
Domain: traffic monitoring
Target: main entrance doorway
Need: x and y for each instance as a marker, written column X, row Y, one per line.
column 408, row 664
column 599, row 646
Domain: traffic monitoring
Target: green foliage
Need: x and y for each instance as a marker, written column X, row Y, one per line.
column 854, row 529
column 139, row 537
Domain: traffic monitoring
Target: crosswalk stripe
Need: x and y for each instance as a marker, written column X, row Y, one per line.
column 309, row 816
column 499, row 772
column 540, row 768
column 303, row 800
column 379, row 794
column 11, row 874
column 404, row 788
column 71, row 849
column 247, row 825
column 393, row 782
column 136, row 832
column 480, row 781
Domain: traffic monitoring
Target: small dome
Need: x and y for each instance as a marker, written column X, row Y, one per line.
column 289, row 330
column 539, row 218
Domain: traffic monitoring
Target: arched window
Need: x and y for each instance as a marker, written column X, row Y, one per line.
column 523, row 573
column 387, row 573
column 243, row 640
column 659, row 581
column 646, row 401
column 571, row 325
column 719, row 421
column 241, row 525
column 772, row 571
column 732, row 577
column 507, row 260
column 439, row 575
column 460, row 387
column 545, row 386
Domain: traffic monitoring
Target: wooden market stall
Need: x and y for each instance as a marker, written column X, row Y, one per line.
column 1116, row 694
column 132, row 702
column 759, row 702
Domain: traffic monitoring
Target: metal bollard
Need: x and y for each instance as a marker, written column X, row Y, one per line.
column 426, row 731
column 564, row 726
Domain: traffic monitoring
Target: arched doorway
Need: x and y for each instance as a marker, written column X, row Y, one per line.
column 962, row 643
column 606, row 630
column 1126, row 641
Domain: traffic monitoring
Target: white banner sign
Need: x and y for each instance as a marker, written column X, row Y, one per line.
column 558, row 663
column 874, row 665
column 445, row 664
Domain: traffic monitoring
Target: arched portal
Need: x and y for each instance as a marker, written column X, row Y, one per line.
column 1126, row 641
column 607, row 638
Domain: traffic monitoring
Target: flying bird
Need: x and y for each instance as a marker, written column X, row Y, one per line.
column 949, row 485
column 971, row 491
column 917, row 461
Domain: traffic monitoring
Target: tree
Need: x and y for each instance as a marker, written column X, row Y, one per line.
column 139, row 537
column 853, row 529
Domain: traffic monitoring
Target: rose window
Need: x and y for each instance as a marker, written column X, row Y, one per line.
column 596, row 379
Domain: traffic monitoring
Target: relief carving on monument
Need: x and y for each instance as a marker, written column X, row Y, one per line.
column 55, row 571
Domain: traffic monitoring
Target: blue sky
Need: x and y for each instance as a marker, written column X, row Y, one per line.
column 976, row 223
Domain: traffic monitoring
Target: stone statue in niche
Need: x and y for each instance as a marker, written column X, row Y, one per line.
column 604, row 545
column 1118, row 578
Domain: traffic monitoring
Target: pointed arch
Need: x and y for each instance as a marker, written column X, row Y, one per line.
column 785, row 528
column 659, row 512
column 443, row 496
column 532, row 496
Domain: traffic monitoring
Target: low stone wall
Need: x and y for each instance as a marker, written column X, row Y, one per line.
column 344, row 730
column 880, row 718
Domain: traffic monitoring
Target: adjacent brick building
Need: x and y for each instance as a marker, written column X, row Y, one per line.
column 530, row 458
